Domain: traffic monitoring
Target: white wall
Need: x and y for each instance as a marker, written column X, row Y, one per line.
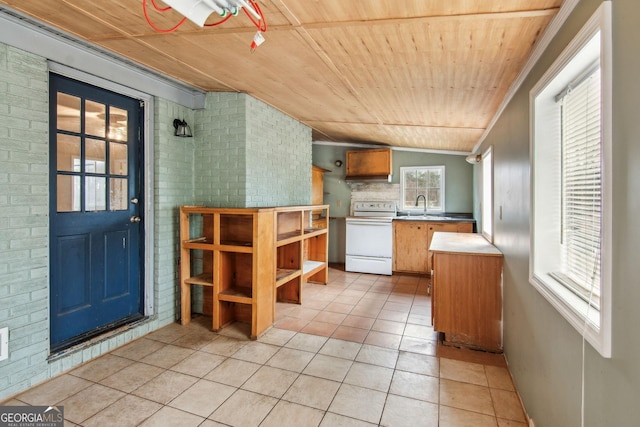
column 544, row 352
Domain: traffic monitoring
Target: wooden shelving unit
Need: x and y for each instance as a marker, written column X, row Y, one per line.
column 229, row 252
column 302, row 248
column 246, row 258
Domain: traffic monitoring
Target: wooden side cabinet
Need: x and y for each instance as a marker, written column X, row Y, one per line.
column 467, row 291
column 317, row 185
column 452, row 227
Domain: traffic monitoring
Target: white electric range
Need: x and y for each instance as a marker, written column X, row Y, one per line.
column 369, row 237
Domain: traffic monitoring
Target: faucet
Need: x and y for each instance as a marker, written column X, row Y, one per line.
column 425, row 202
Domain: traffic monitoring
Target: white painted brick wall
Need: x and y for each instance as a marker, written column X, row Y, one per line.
column 174, row 178
column 278, row 157
column 220, row 166
column 24, row 181
column 249, row 154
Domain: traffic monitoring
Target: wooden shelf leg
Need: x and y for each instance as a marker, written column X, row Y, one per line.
column 185, row 303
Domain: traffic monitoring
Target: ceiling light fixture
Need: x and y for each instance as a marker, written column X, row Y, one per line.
column 198, row 11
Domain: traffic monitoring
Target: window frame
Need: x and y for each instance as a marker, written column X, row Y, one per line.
column 420, row 208
column 594, row 325
column 486, row 211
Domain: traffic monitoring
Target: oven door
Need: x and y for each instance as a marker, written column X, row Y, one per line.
column 369, row 238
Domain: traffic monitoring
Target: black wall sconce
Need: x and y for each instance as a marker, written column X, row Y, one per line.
column 182, row 129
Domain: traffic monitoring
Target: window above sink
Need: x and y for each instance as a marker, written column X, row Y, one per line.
column 422, row 190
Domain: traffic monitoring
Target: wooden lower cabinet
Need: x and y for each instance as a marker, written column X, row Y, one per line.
column 467, row 291
column 410, row 246
column 411, row 240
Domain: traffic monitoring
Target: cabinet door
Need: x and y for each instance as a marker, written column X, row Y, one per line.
column 465, row 227
column 410, row 246
column 467, row 300
column 369, row 162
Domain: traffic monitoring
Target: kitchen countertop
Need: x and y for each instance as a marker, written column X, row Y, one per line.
column 462, row 243
column 433, row 218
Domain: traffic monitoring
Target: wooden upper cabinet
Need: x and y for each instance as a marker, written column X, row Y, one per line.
column 368, row 164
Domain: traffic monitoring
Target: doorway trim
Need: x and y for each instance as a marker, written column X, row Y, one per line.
column 147, row 150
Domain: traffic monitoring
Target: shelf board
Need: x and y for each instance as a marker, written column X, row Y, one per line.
column 311, row 267
column 199, row 243
column 310, row 232
column 235, row 249
column 236, row 243
column 239, row 295
column 283, row 275
column 289, row 235
column 204, row 279
column 200, row 240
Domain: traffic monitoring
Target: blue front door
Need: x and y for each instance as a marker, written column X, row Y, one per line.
column 96, row 238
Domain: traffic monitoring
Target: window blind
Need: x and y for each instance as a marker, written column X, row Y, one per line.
column 581, row 188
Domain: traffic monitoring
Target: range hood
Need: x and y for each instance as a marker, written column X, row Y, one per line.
column 372, row 165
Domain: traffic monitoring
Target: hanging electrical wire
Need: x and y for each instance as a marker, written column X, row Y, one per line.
column 261, row 25
column 152, row 25
column 251, row 9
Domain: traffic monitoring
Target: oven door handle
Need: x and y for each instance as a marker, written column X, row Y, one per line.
column 374, row 223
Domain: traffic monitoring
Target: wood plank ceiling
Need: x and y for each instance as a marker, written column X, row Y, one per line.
column 425, row 74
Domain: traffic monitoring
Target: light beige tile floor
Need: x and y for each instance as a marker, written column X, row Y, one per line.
column 359, row 351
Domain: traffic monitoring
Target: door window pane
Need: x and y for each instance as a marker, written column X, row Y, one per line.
column 68, row 188
column 94, row 193
column 95, row 156
column 118, row 200
column 94, row 116
column 68, row 152
column 118, row 121
column 68, row 113
column 118, row 158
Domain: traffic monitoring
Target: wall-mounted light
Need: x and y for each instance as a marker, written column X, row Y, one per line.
column 182, row 128
column 473, row 158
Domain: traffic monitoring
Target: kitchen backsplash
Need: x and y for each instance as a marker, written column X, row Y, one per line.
column 374, row 191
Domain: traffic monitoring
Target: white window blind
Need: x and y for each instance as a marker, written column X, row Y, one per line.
column 581, row 187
